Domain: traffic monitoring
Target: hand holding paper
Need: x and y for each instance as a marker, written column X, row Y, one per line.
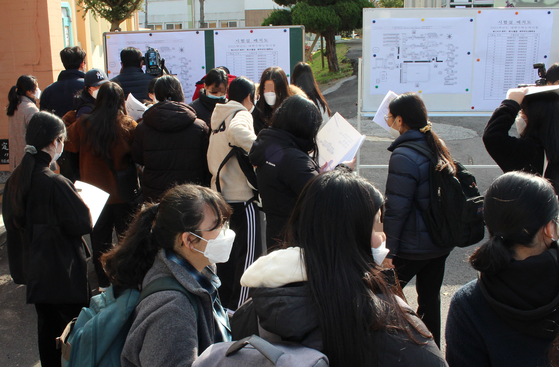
column 135, row 108
column 338, row 141
column 383, row 110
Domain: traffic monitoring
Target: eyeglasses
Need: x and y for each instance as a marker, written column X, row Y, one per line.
column 386, row 117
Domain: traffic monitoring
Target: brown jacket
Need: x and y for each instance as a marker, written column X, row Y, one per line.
column 95, row 170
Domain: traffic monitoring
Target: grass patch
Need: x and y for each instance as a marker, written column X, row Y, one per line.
column 323, row 76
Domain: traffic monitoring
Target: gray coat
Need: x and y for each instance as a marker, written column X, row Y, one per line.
column 165, row 331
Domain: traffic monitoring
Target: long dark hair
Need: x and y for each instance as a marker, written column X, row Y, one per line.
column 25, row 83
column 281, row 88
column 542, row 112
column 517, row 205
column 157, row 226
column 42, row 130
column 414, row 115
column 303, row 77
column 332, row 222
column 300, row 117
column 101, row 126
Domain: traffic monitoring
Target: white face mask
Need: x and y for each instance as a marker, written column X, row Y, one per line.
column 380, row 253
column 395, row 133
column 251, row 109
column 270, row 98
column 520, row 124
column 56, row 154
column 94, row 93
column 37, row 93
column 218, row 249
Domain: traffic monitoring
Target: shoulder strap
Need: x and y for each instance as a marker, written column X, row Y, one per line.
column 420, row 149
column 225, row 160
column 168, row 284
column 222, row 125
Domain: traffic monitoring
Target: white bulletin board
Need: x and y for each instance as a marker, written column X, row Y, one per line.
column 189, row 54
column 457, row 60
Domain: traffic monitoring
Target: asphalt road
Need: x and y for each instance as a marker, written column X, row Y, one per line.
column 461, row 134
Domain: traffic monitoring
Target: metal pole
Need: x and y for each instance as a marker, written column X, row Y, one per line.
column 359, row 105
column 322, row 50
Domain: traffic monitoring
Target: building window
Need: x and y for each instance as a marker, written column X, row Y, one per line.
column 224, row 24
column 212, row 25
column 173, row 26
column 232, row 24
column 155, row 27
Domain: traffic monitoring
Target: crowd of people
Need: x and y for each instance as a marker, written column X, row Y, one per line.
column 241, row 160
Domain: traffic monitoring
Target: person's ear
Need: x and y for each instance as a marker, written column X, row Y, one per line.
column 187, row 240
column 550, row 230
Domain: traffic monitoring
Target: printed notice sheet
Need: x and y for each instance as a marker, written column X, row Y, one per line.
column 135, row 108
column 177, row 48
column 508, row 43
column 383, row 110
column 93, row 197
column 338, row 141
column 423, row 55
column 248, row 52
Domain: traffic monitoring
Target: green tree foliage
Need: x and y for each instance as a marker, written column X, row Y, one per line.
column 390, row 3
column 114, row 11
column 324, row 17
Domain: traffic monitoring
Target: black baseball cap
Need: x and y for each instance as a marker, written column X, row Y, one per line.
column 95, row 77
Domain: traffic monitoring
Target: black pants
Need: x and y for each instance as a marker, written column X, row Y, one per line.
column 429, row 279
column 113, row 216
column 51, row 321
column 245, row 222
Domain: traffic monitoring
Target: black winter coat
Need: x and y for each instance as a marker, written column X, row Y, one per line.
column 512, row 153
column 407, row 186
column 171, row 144
column 48, row 255
column 507, row 319
column 134, row 80
column 59, row 96
column 283, row 168
column 288, row 312
column 204, row 107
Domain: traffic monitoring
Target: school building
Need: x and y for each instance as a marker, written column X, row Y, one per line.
column 34, row 32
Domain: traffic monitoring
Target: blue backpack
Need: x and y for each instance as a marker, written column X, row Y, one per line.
column 97, row 336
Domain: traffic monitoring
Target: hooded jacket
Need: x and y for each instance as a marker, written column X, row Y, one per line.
column 282, row 302
column 171, row 144
column 26, row 108
column 165, row 330
column 407, row 195
column 204, row 106
column 59, row 96
column 134, row 80
column 238, row 131
column 283, row 168
column 506, row 319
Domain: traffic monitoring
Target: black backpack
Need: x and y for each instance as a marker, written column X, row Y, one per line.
column 244, row 163
column 455, row 213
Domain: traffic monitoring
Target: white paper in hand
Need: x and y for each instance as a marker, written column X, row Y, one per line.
column 135, row 108
column 383, row 110
column 93, row 197
column 338, row 141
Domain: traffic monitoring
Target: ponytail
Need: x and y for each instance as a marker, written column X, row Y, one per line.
column 492, row 257
column 42, row 130
column 411, row 109
column 24, row 84
column 127, row 264
column 157, row 226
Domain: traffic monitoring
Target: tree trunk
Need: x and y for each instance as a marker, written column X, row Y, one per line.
column 331, row 53
column 202, row 21
column 115, row 25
